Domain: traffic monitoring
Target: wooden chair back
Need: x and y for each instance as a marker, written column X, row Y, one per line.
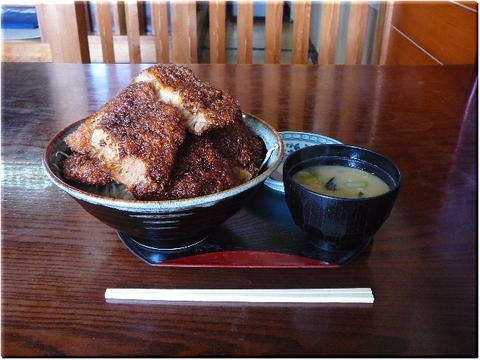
column 66, row 26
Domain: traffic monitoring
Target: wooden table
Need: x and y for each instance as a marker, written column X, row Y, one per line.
column 57, row 260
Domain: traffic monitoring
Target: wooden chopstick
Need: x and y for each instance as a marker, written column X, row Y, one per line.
column 346, row 295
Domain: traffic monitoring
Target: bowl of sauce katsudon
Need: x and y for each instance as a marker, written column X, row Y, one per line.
column 166, row 160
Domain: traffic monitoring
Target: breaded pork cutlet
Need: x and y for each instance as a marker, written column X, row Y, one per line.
column 203, row 106
column 134, row 138
column 200, row 170
column 83, row 169
column 215, row 161
column 243, row 150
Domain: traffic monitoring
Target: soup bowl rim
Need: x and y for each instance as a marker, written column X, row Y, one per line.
column 353, row 159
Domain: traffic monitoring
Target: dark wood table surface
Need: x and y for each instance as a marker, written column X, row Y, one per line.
column 57, row 260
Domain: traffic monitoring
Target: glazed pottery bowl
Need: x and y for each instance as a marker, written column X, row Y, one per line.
column 334, row 223
column 171, row 224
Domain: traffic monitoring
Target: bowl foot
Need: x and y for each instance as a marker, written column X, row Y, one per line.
column 333, row 247
column 163, row 245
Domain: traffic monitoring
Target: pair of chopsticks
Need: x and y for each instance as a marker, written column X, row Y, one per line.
column 348, row 295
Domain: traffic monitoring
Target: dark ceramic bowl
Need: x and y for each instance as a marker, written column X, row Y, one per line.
column 172, row 224
column 334, row 223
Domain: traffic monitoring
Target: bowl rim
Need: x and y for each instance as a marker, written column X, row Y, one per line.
column 295, row 136
column 352, row 147
column 155, row 205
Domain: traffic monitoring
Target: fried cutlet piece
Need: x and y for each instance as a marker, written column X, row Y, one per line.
column 200, row 170
column 80, row 141
column 83, row 169
column 203, row 106
column 135, row 138
column 243, row 150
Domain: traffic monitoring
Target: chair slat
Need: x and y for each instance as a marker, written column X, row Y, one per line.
column 104, row 27
column 42, row 22
column 381, row 36
column 301, row 31
column 87, row 21
column 119, row 19
column 328, row 32
column 133, row 32
column 244, row 32
column 184, row 31
column 217, row 17
column 273, row 32
column 160, row 31
column 356, row 32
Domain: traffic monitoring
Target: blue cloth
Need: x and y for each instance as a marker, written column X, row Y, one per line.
column 19, row 17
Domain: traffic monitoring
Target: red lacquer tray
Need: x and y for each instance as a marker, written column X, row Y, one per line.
column 261, row 235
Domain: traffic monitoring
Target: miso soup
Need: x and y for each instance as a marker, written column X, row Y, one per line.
column 341, row 181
